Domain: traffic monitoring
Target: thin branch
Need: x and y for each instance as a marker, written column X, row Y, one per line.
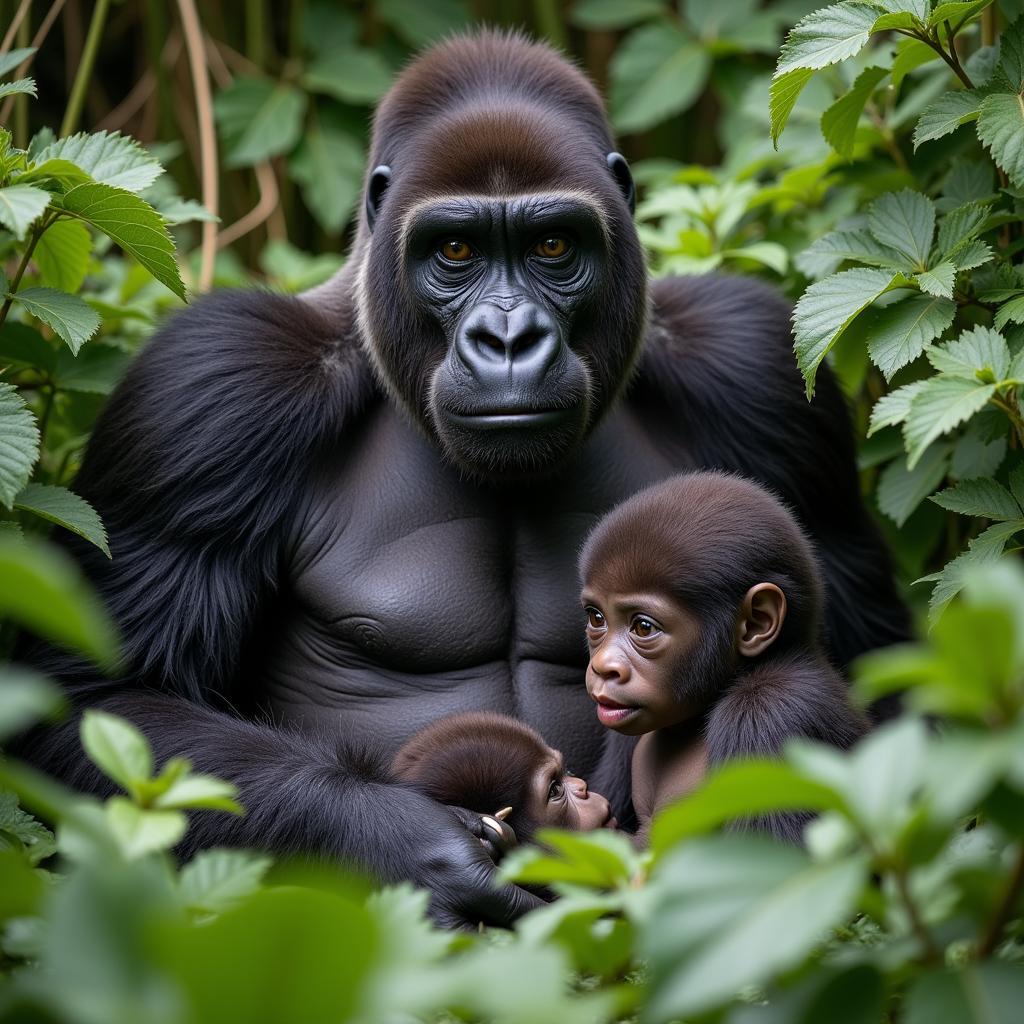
column 37, row 40
column 932, row 954
column 994, row 931
column 207, row 137
column 37, row 233
column 85, row 67
column 261, row 212
column 12, row 29
column 933, row 43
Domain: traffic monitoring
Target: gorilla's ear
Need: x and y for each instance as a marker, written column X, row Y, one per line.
column 379, row 181
column 618, row 166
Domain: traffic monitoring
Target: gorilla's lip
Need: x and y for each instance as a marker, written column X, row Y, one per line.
column 503, row 418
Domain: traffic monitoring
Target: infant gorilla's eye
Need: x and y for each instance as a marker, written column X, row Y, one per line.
column 555, row 790
column 456, row 250
column 594, row 618
column 643, row 627
column 551, row 248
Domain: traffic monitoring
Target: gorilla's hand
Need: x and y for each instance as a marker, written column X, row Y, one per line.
column 495, row 836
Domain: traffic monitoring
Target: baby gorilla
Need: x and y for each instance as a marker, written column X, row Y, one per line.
column 704, row 620
column 488, row 763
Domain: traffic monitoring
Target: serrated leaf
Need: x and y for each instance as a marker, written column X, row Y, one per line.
column 354, row 75
column 977, row 350
column 140, row 832
column 109, row 158
column 938, row 280
column 979, row 497
column 199, row 791
column 62, row 255
column 1009, row 312
column 827, row 308
column 20, row 206
column 71, row 319
column 975, row 455
column 857, row 244
column 946, row 114
column 23, row 86
column 839, row 122
column 957, row 13
column 132, row 223
column 214, row 880
column 904, row 221
column 1001, row 130
column 65, row 508
column 329, row 166
column 56, row 175
column 1011, row 55
column 899, row 332
column 892, row 409
column 658, row 71
column 19, row 443
column 782, row 96
column 116, row 747
column 961, row 225
column 10, row 60
column 901, row 490
column 942, row 404
column 604, row 14
column 259, row 119
column 972, row 254
column 827, row 36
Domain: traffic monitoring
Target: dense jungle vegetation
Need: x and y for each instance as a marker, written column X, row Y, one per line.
column 865, row 157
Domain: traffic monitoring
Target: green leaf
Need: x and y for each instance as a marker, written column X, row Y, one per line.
column 986, row 993
column 23, row 346
column 946, row 114
column 10, row 60
column 900, row 332
column 769, row 254
column 782, row 96
column 419, row 23
column 1009, row 312
column 827, row 36
column 133, row 224
column 109, row 158
column 961, row 225
column 857, row 244
column 62, row 255
column 957, row 13
column 942, row 404
column 980, row 350
column 938, row 280
column 56, row 175
column 199, row 791
column 603, row 14
column 20, row 206
column 258, row 119
column 96, row 370
column 658, row 71
column 901, row 490
column 19, row 443
column 37, row 840
column 42, row 589
column 116, row 747
column 904, row 221
column 63, row 507
column 1001, row 129
column 979, row 497
column 839, row 122
column 975, row 455
column 214, row 880
column 601, row 859
column 1011, row 55
column 329, row 166
column 971, row 254
column 25, row 699
column 355, row 75
column 911, row 54
column 893, row 408
column 71, row 319
column 23, row 86
column 827, row 308
column 140, row 832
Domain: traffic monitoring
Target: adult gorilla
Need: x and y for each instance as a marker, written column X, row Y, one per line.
column 346, row 514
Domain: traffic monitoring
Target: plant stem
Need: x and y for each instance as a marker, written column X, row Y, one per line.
column 954, row 56
column 933, row 42
column 932, row 953
column 85, row 66
column 994, row 930
column 1012, row 413
column 22, row 266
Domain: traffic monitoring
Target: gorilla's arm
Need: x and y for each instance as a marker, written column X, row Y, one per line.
column 719, row 376
column 194, row 465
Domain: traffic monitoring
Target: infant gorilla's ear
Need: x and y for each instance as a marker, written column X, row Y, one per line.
column 762, row 613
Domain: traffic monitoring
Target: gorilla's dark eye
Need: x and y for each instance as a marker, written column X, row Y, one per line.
column 555, row 790
column 456, row 250
column 595, row 620
column 644, row 627
column 553, row 247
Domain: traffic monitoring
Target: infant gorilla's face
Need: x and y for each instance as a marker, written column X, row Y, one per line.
column 559, row 799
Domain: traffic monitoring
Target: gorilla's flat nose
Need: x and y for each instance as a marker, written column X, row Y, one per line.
column 523, row 339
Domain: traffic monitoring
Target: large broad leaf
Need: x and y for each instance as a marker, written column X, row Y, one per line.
column 598, row 14
column 942, row 404
column 329, row 166
column 62, row 255
column 946, row 114
column 20, row 206
column 214, row 880
column 899, row 332
column 657, row 72
column 839, row 122
column 987, row 993
column 980, row 497
column 1001, row 129
column 978, row 354
column 419, row 23
column 827, row 308
column 70, row 318
column 110, row 158
column 133, row 224
column 901, row 490
column 1011, row 55
column 904, row 221
column 19, row 443
column 65, row 508
column 355, row 75
column 827, row 36
column 259, row 119
column 782, row 96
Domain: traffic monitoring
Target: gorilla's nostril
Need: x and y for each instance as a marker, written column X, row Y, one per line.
column 487, row 343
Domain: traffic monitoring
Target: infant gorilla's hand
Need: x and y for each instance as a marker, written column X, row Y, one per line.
column 495, row 836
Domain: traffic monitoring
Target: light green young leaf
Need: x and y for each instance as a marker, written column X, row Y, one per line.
column 901, row 490
column 1011, row 55
column 899, row 333
column 980, row 497
column 110, row 158
column 1009, row 312
column 946, row 114
column 904, row 221
column 71, row 319
column 893, row 408
column 770, row 254
column 26, row 697
column 65, row 508
column 938, row 280
column 827, row 36
column 140, row 832
column 979, row 350
column 215, row 880
column 191, row 791
column 356, row 75
column 942, row 404
column 839, row 122
column 1001, row 129
column 20, row 206
column 133, row 224
column 782, row 96
column 55, row 175
column 259, row 119
column 857, row 244
column 828, row 307
column 117, row 748
column 605, row 14
column 10, row 60
column 19, row 443
column 911, row 54
column 23, row 86
column 957, row 13
column 62, row 255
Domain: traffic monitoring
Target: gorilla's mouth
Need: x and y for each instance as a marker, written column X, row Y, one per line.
column 502, row 419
